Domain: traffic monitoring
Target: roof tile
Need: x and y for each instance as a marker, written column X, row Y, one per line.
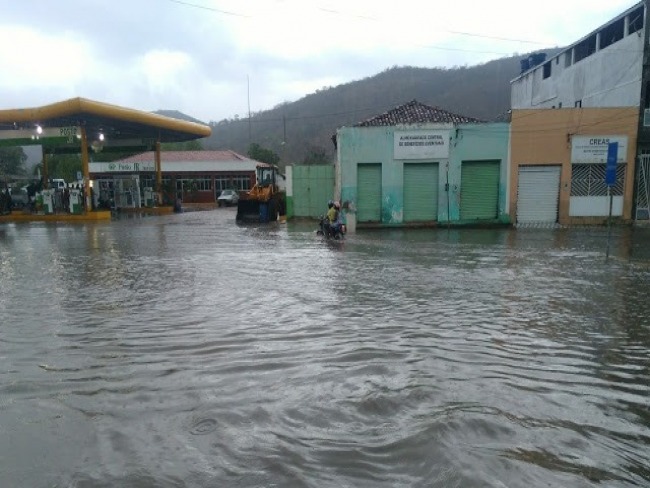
column 187, row 156
column 415, row 112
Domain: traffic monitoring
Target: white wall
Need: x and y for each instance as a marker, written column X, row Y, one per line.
column 608, row 78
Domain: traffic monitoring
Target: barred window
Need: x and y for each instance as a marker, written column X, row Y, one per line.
column 147, row 181
column 241, row 182
column 200, row 183
column 588, row 180
column 204, row 183
column 232, row 182
column 221, row 183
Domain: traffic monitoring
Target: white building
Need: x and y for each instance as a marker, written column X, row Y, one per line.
column 603, row 70
column 191, row 176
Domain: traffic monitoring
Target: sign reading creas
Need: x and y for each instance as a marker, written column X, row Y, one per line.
column 421, row 144
column 593, row 149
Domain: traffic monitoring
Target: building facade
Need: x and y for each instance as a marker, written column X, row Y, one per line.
column 191, row 176
column 558, row 160
column 566, row 109
column 418, row 164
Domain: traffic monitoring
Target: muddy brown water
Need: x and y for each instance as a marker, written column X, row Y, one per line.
column 188, row 351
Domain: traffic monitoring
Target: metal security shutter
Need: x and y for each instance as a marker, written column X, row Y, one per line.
column 420, row 192
column 479, row 190
column 369, row 193
column 538, row 194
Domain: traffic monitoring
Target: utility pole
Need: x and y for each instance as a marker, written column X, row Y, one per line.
column 284, row 126
column 248, row 91
column 284, row 140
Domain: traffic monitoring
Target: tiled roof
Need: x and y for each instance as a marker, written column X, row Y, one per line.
column 415, row 112
column 182, row 156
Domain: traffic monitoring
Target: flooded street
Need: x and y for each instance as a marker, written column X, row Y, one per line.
column 187, row 351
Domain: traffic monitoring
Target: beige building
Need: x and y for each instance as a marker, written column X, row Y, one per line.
column 558, row 160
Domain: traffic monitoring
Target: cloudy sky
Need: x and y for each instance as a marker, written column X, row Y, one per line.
column 197, row 55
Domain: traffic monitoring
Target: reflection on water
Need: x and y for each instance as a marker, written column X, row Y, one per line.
column 187, row 351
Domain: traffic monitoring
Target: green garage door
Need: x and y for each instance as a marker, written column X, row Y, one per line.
column 369, row 193
column 479, row 190
column 420, row 192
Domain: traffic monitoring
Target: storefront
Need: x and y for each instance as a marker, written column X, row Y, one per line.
column 558, row 160
column 191, row 176
column 421, row 165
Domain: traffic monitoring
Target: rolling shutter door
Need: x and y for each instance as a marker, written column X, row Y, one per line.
column 538, row 194
column 369, row 193
column 420, row 192
column 479, row 190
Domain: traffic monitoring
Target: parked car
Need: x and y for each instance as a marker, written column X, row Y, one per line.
column 19, row 197
column 58, row 184
column 228, row 197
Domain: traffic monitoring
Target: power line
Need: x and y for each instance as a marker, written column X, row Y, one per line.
column 212, row 9
column 461, row 33
column 424, row 46
column 470, row 34
column 370, row 18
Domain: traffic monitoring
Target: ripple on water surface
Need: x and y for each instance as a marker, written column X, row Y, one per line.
column 187, row 351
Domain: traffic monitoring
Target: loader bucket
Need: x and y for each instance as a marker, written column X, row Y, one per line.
column 248, row 211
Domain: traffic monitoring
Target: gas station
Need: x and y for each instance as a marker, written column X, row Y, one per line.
column 83, row 126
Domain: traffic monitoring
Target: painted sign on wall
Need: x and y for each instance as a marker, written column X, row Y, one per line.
column 421, row 144
column 121, row 167
column 593, row 149
column 51, row 136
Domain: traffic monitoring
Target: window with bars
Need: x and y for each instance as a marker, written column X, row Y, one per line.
column 241, row 182
column 147, row 181
column 588, row 180
column 200, row 183
column 221, row 183
column 233, row 182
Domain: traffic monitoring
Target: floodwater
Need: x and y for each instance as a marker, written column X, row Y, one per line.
column 187, row 351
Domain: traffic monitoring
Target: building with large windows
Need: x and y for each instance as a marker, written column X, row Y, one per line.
column 565, row 111
column 191, row 176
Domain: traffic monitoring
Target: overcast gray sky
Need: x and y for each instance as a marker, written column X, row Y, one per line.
column 195, row 55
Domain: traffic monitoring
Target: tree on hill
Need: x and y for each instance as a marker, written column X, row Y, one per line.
column 481, row 91
column 12, row 161
column 257, row 152
column 317, row 155
column 65, row 166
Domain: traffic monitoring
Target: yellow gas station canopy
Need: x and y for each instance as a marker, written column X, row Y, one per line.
column 57, row 126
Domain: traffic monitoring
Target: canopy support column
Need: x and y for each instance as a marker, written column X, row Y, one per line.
column 158, row 173
column 46, row 178
column 85, row 169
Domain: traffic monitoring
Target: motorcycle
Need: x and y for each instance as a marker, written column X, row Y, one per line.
column 329, row 231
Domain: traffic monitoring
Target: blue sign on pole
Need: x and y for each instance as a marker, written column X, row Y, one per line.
column 612, row 156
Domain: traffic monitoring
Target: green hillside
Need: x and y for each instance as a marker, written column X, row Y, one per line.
column 294, row 130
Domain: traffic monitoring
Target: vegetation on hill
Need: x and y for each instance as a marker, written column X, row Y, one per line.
column 301, row 131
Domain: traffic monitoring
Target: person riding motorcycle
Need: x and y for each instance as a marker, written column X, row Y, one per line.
column 332, row 213
column 331, row 224
column 334, row 217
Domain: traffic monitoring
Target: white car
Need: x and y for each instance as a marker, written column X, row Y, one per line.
column 228, row 197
